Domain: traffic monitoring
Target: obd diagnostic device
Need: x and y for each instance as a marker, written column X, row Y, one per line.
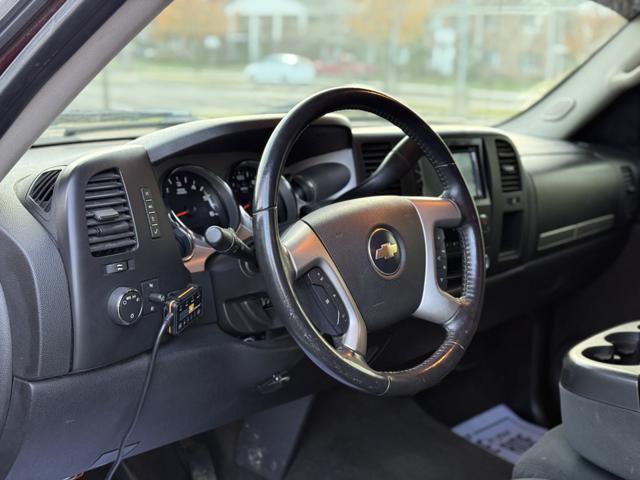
column 185, row 306
column 181, row 309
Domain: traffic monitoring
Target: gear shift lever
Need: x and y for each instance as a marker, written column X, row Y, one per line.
column 226, row 242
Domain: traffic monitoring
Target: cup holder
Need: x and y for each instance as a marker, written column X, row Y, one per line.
column 624, row 349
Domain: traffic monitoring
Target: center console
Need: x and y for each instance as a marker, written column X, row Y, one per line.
column 600, row 399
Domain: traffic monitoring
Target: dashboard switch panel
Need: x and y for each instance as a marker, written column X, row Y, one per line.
column 152, row 215
column 148, row 287
column 121, row 179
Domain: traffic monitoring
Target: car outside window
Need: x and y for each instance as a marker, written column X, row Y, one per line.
column 456, row 61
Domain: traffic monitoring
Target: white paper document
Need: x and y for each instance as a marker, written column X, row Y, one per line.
column 501, row 432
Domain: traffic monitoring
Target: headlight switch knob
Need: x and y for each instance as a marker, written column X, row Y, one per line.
column 125, row 306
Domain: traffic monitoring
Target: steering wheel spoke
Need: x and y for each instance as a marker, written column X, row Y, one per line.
column 309, row 258
column 436, row 305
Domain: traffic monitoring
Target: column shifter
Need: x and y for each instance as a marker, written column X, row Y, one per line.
column 227, row 242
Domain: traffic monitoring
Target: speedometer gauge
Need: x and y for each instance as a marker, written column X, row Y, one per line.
column 194, row 199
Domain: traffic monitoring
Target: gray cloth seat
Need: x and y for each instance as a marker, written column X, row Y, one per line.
column 552, row 458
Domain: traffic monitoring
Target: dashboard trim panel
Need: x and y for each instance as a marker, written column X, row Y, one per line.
column 343, row 157
column 572, row 233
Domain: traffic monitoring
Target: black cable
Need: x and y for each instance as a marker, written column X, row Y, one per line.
column 143, row 396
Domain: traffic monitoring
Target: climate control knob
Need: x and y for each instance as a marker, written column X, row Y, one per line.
column 125, row 306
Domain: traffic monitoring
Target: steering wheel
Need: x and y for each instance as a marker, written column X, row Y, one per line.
column 370, row 262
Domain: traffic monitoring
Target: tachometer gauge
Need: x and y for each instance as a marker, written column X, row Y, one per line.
column 242, row 182
column 197, row 198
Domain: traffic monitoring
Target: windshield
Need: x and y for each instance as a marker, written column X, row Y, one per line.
column 462, row 61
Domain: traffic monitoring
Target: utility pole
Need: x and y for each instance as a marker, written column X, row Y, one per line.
column 552, row 40
column 394, row 45
column 461, row 99
column 104, row 83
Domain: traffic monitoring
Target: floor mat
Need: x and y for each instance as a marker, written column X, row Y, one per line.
column 501, row 432
column 355, row 436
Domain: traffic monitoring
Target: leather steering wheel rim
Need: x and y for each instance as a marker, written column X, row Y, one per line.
column 282, row 263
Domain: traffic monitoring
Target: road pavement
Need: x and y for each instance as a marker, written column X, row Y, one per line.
column 208, row 92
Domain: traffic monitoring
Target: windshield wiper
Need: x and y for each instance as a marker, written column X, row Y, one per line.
column 72, row 123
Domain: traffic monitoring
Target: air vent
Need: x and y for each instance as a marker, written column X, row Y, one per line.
column 630, row 190
column 509, row 170
column 373, row 153
column 454, row 259
column 41, row 192
column 109, row 221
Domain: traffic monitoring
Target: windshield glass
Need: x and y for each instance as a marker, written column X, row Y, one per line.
column 462, row 61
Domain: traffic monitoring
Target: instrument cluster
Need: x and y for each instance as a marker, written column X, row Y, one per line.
column 200, row 199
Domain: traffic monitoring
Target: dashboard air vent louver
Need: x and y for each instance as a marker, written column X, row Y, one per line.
column 41, row 192
column 509, row 170
column 109, row 221
column 373, row 153
column 630, row 190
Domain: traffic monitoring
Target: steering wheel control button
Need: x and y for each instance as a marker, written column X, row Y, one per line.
column 152, row 215
column 441, row 258
column 125, row 306
column 385, row 252
column 330, row 313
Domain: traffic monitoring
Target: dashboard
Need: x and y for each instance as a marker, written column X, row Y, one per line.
column 179, row 181
column 81, row 221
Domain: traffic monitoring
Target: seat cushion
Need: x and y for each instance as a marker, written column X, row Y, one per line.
column 552, row 458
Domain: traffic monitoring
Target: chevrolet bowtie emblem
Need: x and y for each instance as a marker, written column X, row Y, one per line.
column 387, row 251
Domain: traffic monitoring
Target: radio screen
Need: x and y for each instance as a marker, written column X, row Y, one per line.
column 468, row 163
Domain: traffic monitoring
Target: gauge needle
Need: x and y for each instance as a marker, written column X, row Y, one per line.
column 182, row 213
